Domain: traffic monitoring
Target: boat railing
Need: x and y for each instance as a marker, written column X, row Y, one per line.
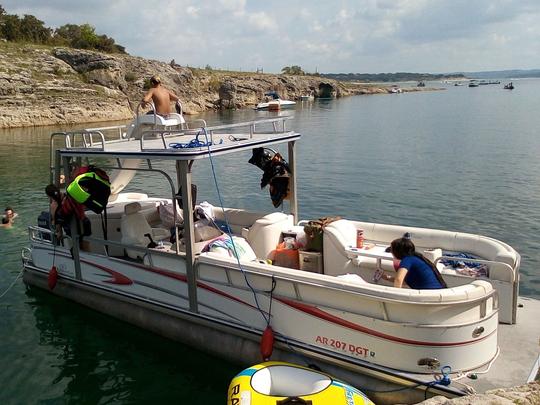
column 111, row 133
column 147, row 252
column 82, row 139
column 43, row 235
column 277, row 125
column 382, row 301
column 98, row 138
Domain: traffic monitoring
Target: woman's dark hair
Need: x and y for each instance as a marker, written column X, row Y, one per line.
column 53, row 192
column 5, row 220
column 404, row 246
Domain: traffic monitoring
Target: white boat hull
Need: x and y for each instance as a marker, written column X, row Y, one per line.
column 279, row 104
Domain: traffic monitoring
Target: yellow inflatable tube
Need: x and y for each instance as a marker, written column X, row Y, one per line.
column 279, row 383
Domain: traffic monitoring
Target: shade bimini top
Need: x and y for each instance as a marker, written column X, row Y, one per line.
column 176, row 144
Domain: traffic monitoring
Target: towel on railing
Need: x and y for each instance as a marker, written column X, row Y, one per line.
column 464, row 267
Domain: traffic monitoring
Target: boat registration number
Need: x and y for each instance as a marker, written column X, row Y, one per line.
column 346, row 347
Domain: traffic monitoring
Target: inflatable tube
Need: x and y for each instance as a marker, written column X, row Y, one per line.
column 275, row 383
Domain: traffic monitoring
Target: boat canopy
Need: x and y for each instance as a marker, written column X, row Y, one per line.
column 178, row 145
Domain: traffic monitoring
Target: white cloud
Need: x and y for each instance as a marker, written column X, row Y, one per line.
column 262, row 22
column 344, row 36
column 192, row 11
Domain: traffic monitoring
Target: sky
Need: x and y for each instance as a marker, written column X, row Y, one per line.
column 332, row 36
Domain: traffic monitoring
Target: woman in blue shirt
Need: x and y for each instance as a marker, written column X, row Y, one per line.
column 414, row 269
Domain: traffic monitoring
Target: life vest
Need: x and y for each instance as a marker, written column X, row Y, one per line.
column 91, row 188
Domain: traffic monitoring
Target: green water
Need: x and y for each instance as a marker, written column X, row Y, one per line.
column 461, row 159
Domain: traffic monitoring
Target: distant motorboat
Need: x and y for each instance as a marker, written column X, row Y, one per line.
column 458, row 84
column 309, row 97
column 509, row 86
column 395, row 89
column 421, row 84
column 473, row 84
column 275, row 103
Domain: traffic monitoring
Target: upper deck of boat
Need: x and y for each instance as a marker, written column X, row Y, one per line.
column 173, row 144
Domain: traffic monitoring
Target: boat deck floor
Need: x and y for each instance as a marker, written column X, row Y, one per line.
column 519, row 346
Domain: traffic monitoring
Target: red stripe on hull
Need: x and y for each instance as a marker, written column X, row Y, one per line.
column 312, row 310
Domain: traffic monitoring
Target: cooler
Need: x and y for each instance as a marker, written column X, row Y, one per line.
column 311, row 261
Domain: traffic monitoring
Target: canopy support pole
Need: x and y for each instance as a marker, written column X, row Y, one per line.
column 183, row 173
column 293, row 202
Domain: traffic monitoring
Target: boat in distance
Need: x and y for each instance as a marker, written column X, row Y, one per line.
column 212, row 287
column 273, row 102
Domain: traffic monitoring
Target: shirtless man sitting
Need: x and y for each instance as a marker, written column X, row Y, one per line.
column 160, row 96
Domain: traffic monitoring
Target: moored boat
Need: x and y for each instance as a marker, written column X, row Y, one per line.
column 213, row 284
column 509, row 86
column 274, row 102
column 307, row 97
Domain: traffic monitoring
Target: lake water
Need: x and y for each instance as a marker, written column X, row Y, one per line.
column 463, row 159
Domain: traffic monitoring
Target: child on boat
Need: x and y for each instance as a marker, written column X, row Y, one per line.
column 414, row 269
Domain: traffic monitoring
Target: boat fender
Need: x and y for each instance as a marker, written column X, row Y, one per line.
column 267, row 343
column 52, row 278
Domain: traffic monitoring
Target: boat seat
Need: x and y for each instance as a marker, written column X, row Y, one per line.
column 169, row 120
column 134, row 226
column 265, row 233
column 115, row 212
column 238, row 219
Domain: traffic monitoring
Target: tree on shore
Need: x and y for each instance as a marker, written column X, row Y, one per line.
column 30, row 29
column 84, row 37
column 292, row 70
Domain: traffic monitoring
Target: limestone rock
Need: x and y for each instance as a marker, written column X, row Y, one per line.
column 528, row 394
column 45, row 86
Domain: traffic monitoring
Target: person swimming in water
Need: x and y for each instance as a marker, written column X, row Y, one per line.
column 9, row 216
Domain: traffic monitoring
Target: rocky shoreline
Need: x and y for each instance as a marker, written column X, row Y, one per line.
column 53, row 86
column 528, row 394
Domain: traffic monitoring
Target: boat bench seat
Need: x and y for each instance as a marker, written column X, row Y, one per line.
column 261, row 230
column 237, row 219
column 341, row 234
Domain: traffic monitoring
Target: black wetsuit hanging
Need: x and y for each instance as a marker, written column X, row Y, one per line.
column 276, row 173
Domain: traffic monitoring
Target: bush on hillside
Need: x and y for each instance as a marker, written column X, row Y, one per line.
column 30, row 29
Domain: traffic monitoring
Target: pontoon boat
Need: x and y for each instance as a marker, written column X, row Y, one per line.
column 397, row 345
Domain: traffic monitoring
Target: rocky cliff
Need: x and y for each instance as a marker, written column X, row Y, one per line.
column 45, row 86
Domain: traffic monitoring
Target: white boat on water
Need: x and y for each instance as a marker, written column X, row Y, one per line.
column 274, row 102
column 396, row 345
column 307, row 97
